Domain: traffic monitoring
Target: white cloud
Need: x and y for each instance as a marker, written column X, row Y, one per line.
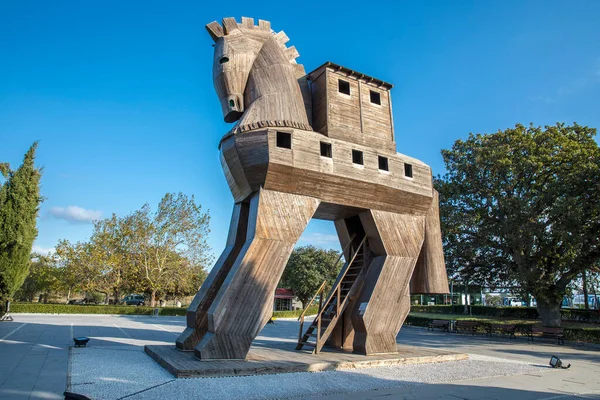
column 42, row 250
column 320, row 240
column 75, row 214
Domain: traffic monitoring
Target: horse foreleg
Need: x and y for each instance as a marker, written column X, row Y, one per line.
column 244, row 302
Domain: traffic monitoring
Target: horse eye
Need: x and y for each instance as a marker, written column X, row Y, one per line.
column 223, row 60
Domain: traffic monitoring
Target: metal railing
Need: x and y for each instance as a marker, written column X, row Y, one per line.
column 335, row 291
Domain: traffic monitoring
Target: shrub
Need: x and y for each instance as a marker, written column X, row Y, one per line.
column 417, row 321
column 510, row 312
column 40, row 308
column 581, row 315
column 295, row 314
column 588, row 335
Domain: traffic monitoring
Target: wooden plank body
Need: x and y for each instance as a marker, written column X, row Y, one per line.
column 244, row 302
column 252, row 160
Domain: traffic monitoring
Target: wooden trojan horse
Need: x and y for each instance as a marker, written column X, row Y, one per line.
column 318, row 145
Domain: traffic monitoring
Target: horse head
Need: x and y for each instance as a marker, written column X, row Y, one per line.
column 236, row 48
column 256, row 76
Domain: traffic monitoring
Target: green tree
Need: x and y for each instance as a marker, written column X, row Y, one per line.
column 74, row 271
column 306, row 270
column 19, row 205
column 159, row 253
column 42, row 278
column 523, row 206
column 157, row 241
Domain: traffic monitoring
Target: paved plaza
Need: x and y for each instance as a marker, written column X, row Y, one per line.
column 36, row 362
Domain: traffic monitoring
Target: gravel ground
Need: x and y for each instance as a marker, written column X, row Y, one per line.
column 127, row 372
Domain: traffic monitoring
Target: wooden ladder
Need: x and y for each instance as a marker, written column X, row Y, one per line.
column 332, row 308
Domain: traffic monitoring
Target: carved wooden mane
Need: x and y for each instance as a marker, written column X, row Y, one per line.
column 256, row 76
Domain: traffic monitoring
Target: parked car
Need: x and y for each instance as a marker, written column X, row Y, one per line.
column 513, row 302
column 134, row 300
column 83, row 301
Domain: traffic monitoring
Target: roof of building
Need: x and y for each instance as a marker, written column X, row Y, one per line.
column 350, row 72
column 284, row 293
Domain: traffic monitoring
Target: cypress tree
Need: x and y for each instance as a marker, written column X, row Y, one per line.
column 19, row 206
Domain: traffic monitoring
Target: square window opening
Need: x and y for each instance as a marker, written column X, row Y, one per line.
column 408, row 170
column 326, row 149
column 383, row 163
column 343, row 86
column 375, row 97
column 284, row 140
column 357, row 157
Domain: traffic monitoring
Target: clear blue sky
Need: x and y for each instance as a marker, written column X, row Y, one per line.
column 120, row 96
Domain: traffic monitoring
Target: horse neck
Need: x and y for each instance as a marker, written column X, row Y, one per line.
column 273, row 96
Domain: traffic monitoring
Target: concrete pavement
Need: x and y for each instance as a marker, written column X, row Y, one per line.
column 34, row 358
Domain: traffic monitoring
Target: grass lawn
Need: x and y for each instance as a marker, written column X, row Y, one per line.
column 501, row 320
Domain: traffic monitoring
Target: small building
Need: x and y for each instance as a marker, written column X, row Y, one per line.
column 285, row 300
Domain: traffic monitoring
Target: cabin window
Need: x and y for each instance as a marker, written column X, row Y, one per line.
column 231, row 103
column 408, row 172
column 357, row 157
column 383, row 163
column 326, row 149
column 223, row 60
column 343, row 86
column 375, row 97
column 284, row 140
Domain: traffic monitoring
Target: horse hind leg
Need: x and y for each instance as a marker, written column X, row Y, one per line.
column 429, row 276
column 395, row 241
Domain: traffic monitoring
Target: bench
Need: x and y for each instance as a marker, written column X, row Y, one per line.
column 507, row 329
column 467, row 326
column 439, row 323
column 547, row 332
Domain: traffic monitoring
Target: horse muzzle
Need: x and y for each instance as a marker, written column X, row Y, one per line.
column 233, row 107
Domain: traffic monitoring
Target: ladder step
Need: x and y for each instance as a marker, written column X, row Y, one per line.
column 308, row 344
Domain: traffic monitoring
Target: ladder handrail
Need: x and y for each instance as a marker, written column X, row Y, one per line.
column 336, row 291
column 341, row 278
column 319, row 290
column 325, row 281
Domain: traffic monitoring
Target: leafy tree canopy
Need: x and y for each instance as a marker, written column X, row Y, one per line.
column 306, row 270
column 523, row 206
column 19, row 205
column 157, row 252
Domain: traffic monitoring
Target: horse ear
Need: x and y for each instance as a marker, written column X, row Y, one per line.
column 230, row 25
column 248, row 23
column 264, row 25
column 215, row 30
